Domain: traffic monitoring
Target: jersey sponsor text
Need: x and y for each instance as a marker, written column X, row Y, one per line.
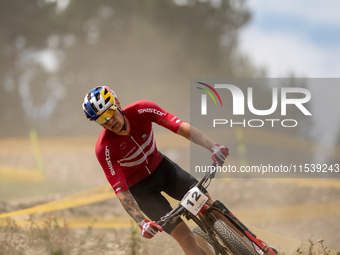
column 108, row 160
column 140, row 111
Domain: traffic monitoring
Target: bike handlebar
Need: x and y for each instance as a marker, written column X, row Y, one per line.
column 179, row 208
column 208, row 175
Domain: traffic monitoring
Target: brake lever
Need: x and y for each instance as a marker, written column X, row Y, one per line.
column 174, row 213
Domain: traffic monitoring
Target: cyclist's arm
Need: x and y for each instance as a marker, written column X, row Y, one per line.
column 130, row 205
column 195, row 135
column 171, row 122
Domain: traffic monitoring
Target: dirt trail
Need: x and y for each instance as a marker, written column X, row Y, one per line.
column 296, row 210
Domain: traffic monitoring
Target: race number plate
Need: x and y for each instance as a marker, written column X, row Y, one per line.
column 194, row 200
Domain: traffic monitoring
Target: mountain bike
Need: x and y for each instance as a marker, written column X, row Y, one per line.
column 218, row 231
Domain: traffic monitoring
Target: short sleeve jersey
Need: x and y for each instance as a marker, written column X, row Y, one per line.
column 126, row 160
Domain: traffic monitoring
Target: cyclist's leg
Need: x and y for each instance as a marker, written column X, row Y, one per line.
column 154, row 205
column 179, row 182
column 185, row 238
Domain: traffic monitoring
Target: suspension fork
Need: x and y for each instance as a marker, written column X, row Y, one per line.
column 207, row 222
column 218, row 206
column 231, row 217
column 208, row 212
column 200, row 218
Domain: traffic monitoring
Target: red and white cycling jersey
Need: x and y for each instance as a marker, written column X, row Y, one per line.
column 127, row 160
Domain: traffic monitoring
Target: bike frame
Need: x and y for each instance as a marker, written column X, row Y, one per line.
column 205, row 220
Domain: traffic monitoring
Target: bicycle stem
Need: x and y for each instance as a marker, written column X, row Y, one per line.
column 206, row 177
column 179, row 208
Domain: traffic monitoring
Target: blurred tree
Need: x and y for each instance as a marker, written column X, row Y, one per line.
column 52, row 54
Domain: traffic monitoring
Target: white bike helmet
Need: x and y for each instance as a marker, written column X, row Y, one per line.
column 97, row 101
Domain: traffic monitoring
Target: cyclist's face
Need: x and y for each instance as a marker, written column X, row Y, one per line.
column 115, row 123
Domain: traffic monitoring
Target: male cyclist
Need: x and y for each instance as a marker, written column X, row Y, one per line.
column 136, row 170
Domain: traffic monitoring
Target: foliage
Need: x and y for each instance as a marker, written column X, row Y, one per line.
column 49, row 239
column 50, row 57
column 313, row 249
column 53, row 239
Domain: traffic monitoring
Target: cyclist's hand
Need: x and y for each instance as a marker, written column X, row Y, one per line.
column 219, row 154
column 149, row 228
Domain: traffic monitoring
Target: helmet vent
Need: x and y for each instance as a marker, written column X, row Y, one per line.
column 105, row 91
column 100, row 106
column 107, row 100
column 98, row 97
column 94, row 107
column 86, row 108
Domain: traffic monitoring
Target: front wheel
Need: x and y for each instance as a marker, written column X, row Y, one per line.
column 232, row 240
column 204, row 241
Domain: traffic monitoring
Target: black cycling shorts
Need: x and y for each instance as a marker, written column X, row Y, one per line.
column 169, row 178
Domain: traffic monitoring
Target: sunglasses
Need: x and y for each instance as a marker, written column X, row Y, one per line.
column 106, row 115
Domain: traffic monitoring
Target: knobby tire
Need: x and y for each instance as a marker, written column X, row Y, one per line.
column 208, row 245
column 231, row 240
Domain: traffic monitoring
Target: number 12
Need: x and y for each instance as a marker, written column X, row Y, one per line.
column 194, row 195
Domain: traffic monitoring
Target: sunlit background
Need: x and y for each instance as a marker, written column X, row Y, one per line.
column 53, row 52
column 293, row 37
